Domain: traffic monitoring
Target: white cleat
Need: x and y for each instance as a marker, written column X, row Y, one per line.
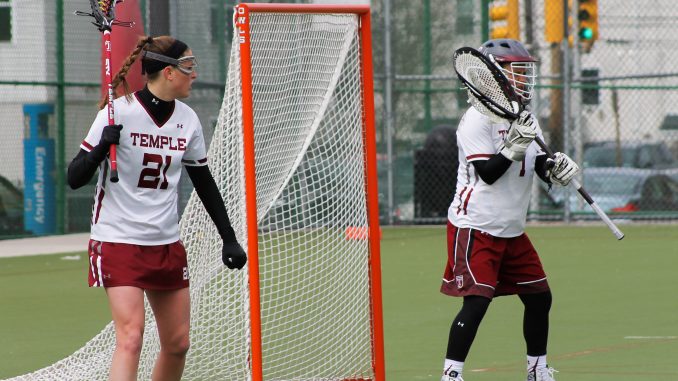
column 541, row 374
column 453, row 376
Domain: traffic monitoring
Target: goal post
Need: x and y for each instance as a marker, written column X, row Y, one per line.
column 294, row 156
column 246, row 18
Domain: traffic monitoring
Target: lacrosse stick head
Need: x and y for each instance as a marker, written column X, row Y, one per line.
column 103, row 12
column 490, row 92
column 516, row 63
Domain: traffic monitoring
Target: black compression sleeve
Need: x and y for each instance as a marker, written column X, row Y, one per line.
column 81, row 169
column 207, row 190
column 465, row 326
column 492, row 169
column 540, row 168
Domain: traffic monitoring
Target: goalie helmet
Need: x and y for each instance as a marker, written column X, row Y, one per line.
column 516, row 63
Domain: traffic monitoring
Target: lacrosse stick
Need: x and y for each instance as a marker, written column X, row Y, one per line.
column 492, row 94
column 103, row 12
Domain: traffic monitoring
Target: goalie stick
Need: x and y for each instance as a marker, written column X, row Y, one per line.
column 103, row 12
column 491, row 92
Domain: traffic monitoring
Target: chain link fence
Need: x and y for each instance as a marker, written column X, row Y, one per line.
column 608, row 105
column 50, row 85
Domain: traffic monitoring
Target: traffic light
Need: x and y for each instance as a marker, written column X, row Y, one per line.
column 553, row 21
column 505, row 18
column 587, row 17
column 587, row 14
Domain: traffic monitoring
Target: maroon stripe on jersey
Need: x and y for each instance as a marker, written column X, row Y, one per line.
column 468, row 196
column 97, row 204
column 461, row 196
column 100, row 199
column 87, row 145
column 478, row 156
column 468, row 173
column 202, row 161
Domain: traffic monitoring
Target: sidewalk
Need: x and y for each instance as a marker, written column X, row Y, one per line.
column 44, row 245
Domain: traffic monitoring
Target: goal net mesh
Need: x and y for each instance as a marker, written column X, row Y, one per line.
column 311, row 204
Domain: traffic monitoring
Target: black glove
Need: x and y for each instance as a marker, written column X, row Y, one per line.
column 110, row 135
column 233, row 256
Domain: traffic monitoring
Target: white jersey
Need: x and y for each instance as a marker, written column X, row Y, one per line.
column 141, row 208
column 499, row 209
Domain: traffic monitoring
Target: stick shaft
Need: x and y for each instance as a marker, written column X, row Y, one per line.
column 603, row 216
column 108, row 79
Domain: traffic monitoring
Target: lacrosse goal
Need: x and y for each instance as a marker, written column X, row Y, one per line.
column 294, row 156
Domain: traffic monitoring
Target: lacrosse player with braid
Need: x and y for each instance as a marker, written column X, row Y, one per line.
column 489, row 254
column 135, row 248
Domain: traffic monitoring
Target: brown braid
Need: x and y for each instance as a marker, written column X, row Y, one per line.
column 120, row 77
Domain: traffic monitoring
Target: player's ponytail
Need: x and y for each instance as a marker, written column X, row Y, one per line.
column 120, row 78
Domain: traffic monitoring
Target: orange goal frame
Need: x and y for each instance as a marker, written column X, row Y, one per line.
column 242, row 20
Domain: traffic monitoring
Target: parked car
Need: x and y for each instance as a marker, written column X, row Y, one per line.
column 622, row 190
column 629, row 154
column 11, row 209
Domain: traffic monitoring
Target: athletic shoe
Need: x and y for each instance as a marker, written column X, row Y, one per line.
column 541, row 374
column 453, row 376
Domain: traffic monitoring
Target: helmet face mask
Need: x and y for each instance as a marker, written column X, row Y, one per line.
column 516, row 63
column 522, row 76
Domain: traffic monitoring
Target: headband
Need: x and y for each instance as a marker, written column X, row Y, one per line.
column 154, row 62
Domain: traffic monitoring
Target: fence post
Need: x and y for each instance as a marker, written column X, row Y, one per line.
column 61, row 122
column 485, row 20
column 388, row 109
column 567, row 78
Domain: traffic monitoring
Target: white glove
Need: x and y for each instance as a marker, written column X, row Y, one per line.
column 561, row 169
column 520, row 135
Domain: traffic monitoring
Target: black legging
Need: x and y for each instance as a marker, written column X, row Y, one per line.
column 536, row 322
column 465, row 324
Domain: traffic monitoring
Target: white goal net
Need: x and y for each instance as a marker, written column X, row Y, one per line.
column 314, row 274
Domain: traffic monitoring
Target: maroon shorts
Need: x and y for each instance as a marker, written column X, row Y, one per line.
column 481, row 264
column 161, row 267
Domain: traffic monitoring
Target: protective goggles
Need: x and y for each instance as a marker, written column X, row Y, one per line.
column 186, row 64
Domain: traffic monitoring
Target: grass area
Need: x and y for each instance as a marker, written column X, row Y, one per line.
column 605, row 291
column 46, row 310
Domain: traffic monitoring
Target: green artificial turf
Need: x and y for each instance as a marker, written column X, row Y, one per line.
column 46, row 310
column 605, row 292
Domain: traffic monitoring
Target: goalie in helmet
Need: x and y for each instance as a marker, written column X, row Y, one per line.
column 489, row 253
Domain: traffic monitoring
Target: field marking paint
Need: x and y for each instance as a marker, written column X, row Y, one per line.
column 511, row 367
